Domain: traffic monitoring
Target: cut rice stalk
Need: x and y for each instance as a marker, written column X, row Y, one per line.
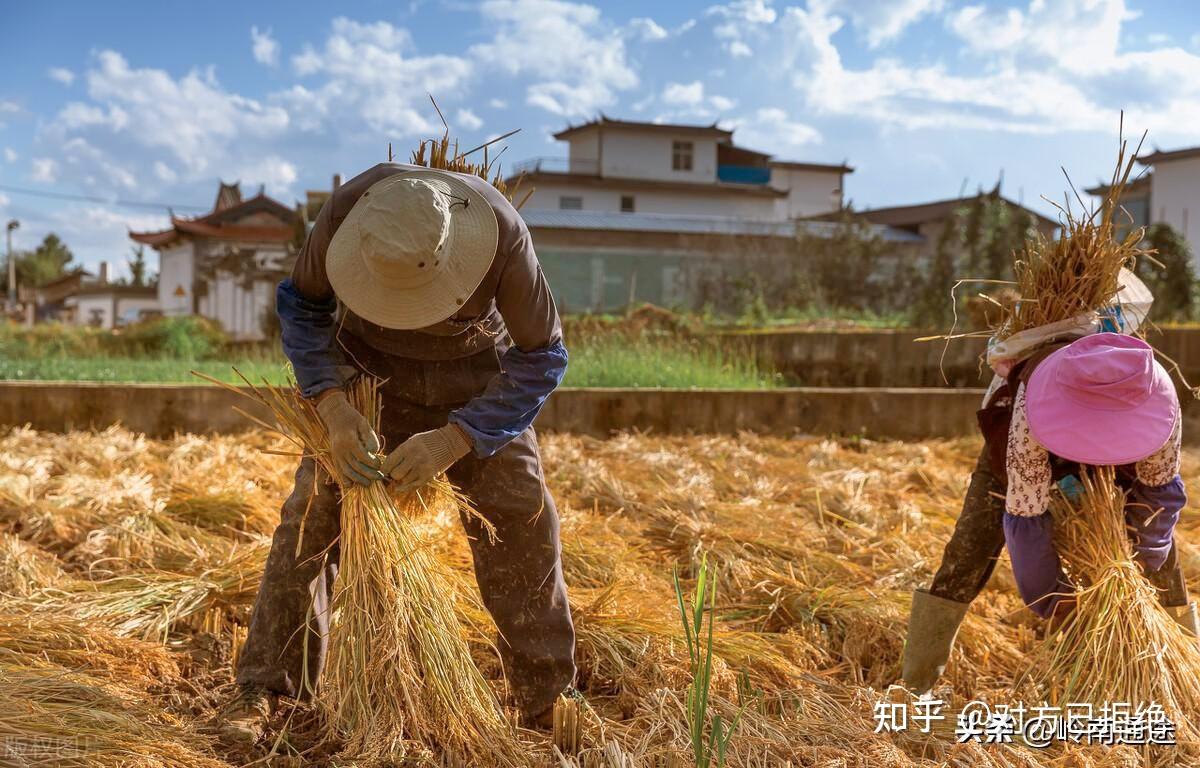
column 1119, row 645
column 399, row 665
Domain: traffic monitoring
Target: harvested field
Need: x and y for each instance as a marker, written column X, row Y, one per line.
column 128, row 567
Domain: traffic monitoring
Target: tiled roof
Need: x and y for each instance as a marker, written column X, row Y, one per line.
column 608, row 122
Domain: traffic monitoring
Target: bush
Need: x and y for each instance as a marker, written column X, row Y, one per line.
column 180, row 338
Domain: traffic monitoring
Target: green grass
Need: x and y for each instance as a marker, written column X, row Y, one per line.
column 644, row 362
column 134, row 369
column 616, row 362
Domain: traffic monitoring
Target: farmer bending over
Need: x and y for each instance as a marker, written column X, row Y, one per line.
column 1101, row 400
column 427, row 280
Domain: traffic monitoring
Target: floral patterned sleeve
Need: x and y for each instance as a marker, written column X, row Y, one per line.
column 1162, row 466
column 1029, row 478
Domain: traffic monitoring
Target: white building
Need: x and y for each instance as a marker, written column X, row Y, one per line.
column 98, row 303
column 1167, row 192
column 695, row 170
column 225, row 265
column 674, row 215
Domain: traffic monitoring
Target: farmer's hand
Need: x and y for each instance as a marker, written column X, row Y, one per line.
column 1064, row 611
column 352, row 442
column 426, row 455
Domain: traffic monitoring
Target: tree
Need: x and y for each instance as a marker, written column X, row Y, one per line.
column 1173, row 284
column 934, row 306
column 846, row 266
column 137, row 267
column 45, row 263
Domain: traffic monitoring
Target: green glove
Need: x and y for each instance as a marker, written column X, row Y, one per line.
column 426, row 455
column 352, row 443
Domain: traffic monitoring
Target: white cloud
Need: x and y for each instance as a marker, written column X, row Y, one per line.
column 43, row 169
column 647, row 29
column 94, row 166
column 265, row 47
column 770, row 129
column 372, row 75
column 4, row 200
column 10, row 154
column 1051, row 68
column 740, row 21
column 192, row 118
column 61, row 75
column 498, row 104
column 275, row 173
column 684, row 94
column 468, row 120
column 7, row 108
column 164, row 172
column 577, row 60
column 881, row 21
column 721, row 103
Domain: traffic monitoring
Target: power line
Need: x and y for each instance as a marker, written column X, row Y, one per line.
column 95, row 199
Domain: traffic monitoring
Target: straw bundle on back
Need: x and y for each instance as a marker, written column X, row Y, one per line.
column 399, row 666
column 1120, row 645
column 1077, row 273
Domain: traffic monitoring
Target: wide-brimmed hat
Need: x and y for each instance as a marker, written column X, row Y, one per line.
column 1102, row 400
column 412, row 250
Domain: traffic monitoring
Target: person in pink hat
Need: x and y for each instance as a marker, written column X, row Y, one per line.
column 1100, row 401
column 1092, row 399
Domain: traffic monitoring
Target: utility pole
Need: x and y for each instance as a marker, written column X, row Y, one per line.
column 12, row 266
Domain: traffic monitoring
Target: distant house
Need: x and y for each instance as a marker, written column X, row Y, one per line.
column 100, row 303
column 621, row 166
column 1167, row 191
column 927, row 220
column 50, row 299
column 649, row 212
column 225, row 264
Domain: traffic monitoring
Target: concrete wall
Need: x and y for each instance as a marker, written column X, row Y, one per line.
column 809, row 192
column 632, row 154
column 702, row 202
column 894, row 359
column 175, row 279
column 162, row 410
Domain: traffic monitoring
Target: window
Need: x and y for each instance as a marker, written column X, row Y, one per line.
column 681, row 155
column 570, row 203
column 626, row 203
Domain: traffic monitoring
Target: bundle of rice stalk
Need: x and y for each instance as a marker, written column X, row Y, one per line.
column 1077, row 273
column 399, row 665
column 443, row 154
column 1119, row 645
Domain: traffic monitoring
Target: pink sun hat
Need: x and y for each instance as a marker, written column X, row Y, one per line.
column 1102, row 400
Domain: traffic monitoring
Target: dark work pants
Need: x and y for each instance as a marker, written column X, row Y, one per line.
column 519, row 576
column 978, row 539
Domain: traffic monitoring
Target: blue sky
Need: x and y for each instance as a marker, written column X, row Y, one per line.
column 154, row 101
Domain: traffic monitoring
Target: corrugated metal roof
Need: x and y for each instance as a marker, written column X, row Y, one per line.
column 694, row 225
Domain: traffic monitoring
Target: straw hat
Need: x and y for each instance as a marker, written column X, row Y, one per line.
column 1102, row 400
column 412, row 250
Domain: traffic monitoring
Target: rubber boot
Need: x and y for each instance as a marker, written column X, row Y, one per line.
column 1187, row 617
column 932, row 626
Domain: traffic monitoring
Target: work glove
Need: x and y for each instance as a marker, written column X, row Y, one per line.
column 425, row 455
column 353, row 445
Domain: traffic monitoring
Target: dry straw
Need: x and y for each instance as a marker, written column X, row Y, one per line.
column 1120, row 645
column 1078, row 272
column 399, row 669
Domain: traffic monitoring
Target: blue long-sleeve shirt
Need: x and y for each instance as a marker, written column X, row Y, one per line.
column 512, row 297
